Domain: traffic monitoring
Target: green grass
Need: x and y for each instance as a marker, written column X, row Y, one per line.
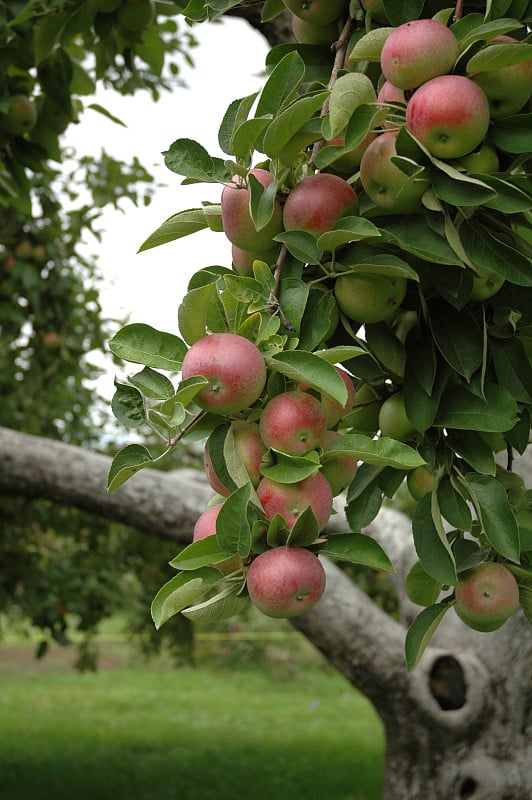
column 187, row 734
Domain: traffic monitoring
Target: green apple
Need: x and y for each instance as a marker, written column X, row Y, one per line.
column 484, row 160
column 393, row 421
column 389, row 187
column 369, row 298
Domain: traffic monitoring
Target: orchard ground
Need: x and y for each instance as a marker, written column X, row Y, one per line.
column 277, row 723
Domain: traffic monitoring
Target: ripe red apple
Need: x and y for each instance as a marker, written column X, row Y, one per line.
column 285, row 581
column 369, row 298
column 234, row 367
column 319, row 12
column 449, row 115
column 393, row 420
column 338, row 471
column 21, row 115
column 243, row 259
column 334, row 411
column 417, row 51
column 317, row 202
column 388, row 186
column 290, row 499
column 293, row 423
column 507, row 88
column 236, row 217
column 249, row 448
column 310, row 33
column 206, row 526
column 486, row 596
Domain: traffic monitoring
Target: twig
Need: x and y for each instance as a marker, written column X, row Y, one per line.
column 273, row 300
column 458, row 11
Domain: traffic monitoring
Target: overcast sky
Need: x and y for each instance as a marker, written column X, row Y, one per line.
column 148, row 287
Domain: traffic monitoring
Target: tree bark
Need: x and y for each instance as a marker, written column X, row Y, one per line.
column 458, row 727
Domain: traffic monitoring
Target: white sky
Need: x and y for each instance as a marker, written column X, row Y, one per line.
column 148, row 287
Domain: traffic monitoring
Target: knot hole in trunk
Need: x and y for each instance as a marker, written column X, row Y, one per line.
column 448, row 686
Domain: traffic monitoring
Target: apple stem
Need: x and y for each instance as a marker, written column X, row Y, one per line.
column 340, row 46
column 273, row 300
column 458, row 11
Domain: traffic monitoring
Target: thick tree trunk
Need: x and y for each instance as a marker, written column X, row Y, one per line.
column 458, row 727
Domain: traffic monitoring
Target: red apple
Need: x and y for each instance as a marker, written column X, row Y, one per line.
column 206, row 526
column 317, row 202
column 236, row 217
column 388, row 186
column 290, row 499
column 507, row 88
column 417, row 51
column 334, row 411
column 486, row 596
column 339, row 472
column 285, row 581
column 449, row 115
column 234, row 367
column 250, row 450
column 293, row 423
column 390, row 95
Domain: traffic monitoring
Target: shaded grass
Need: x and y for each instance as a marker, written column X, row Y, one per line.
column 188, row 734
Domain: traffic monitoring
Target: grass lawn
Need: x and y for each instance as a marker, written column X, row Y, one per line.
column 134, row 733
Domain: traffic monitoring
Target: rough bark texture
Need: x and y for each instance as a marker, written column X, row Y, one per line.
column 458, row 727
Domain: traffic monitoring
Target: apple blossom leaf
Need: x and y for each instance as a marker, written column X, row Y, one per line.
column 305, row 529
column 317, row 60
column 430, row 540
column 232, row 525
column 493, row 508
column 420, row 632
column 350, row 91
column 236, row 114
column 142, row 344
column 465, row 410
column 421, row 588
column 289, row 121
column 292, row 469
column 458, row 337
column 175, row 227
column 189, row 158
column 127, row 405
column 369, row 47
column 468, row 554
column 347, row 229
column 421, row 406
column 302, row 245
column 357, row 548
column 365, row 476
column 223, row 605
column 500, row 54
column 180, row 591
column 282, row 84
column 309, row 369
column 199, row 554
column 453, row 507
column 152, row 384
column 386, row 347
column 126, row 462
column 342, row 352
column 277, row 532
column 383, row 452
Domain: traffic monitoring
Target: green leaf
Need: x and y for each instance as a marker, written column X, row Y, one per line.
column 348, row 93
column 513, row 368
column 453, row 507
column 369, row 47
column 236, row 114
column 363, row 510
column 246, row 135
column 399, row 11
column 142, row 344
column 223, row 605
column 105, row 113
column 421, row 588
column 342, row 352
column 47, row 33
column 186, row 392
column 499, row 55
column 458, row 337
column 360, row 257
column 493, row 508
column 152, row 384
column 509, row 199
column 129, row 460
column 200, row 554
column 175, row 227
column 232, row 525
column 388, row 349
column 180, row 591
column 187, row 157
column 289, row 121
column 431, row 542
column 128, row 406
column 413, row 235
column 193, row 312
column 464, row 410
column 459, row 189
column 487, row 251
column 357, row 548
column 302, row 245
column 305, row 530
column 513, row 134
column 420, row 632
column 348, row 229
column 384, row 451
column 311, row 370
column 292, row 469
column 281, row 85
column 473, row 449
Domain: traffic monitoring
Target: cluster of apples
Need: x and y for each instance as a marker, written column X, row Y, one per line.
column 281, row 581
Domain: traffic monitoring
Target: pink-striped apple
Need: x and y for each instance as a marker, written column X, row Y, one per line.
column 293, row 423
column 236, row 216
column 417, row 51
column 285, row 581
column 317, row 202
column 290, row 499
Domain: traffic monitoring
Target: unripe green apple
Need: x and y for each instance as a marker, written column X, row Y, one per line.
column 338, row 471
column 293, row 423
column 319, row 12
column 285, row 581
column 376, row 9
column 134, row 15
column 449, row 115
column 317, row 202
column 486, row 285
column 243, row 260
column 388, row 186
column 420, row 481
column 21, row 115
column 486, row 596
column 364, row 416
column 236, row 216
column 508, row 89
column 484, row 160
column 369, row 298
column 234, row 367
column 393, row 421
column 310, row 33
column 291, row 499
column 417, row 51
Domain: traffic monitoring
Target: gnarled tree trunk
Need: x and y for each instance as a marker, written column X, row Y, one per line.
column 458, row 727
